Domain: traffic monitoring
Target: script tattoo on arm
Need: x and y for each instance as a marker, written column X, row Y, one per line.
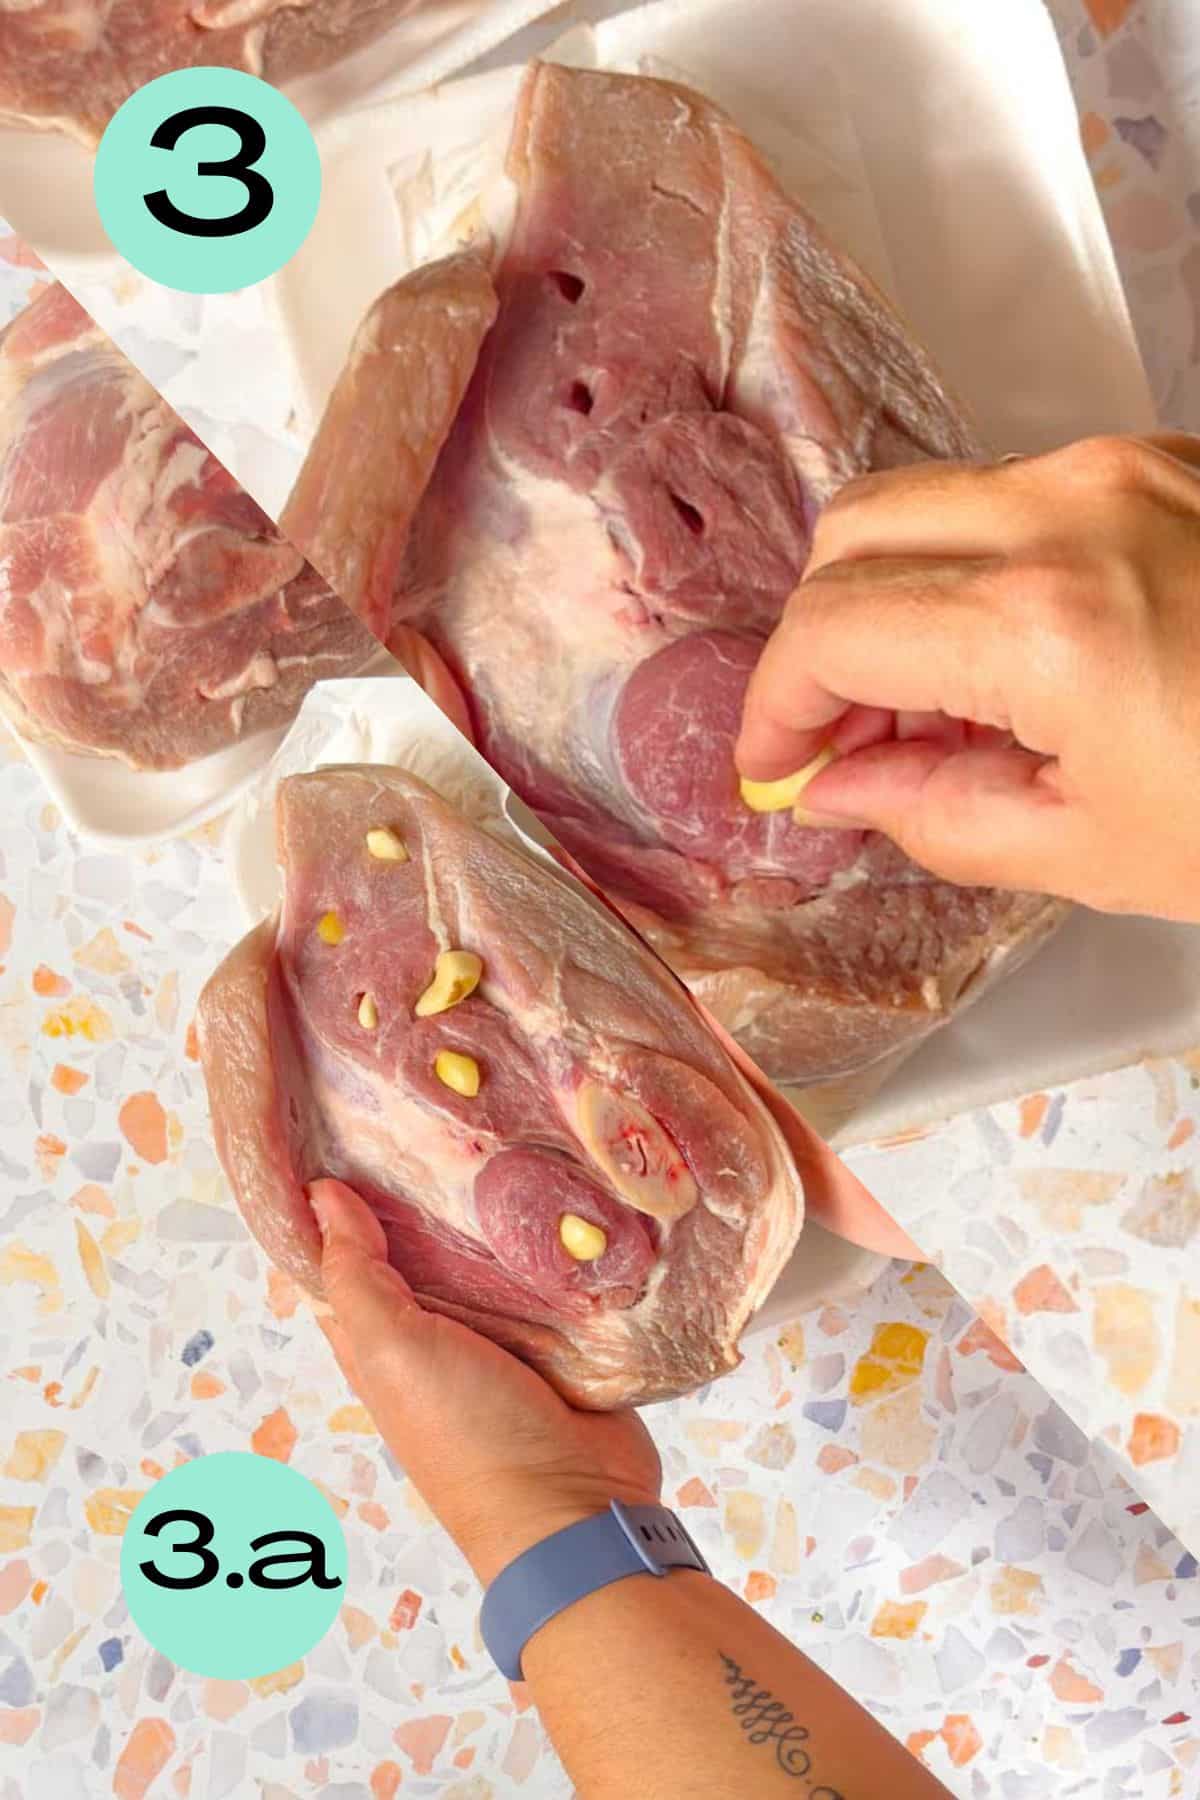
column 766, row 1720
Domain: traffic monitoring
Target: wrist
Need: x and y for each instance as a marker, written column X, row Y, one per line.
column 499, row 1526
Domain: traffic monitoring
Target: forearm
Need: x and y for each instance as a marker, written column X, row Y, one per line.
column 668, row 1687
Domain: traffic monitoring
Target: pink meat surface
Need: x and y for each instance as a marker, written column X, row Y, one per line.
column 68, row 65
column 148, row 609
column 602, row 1094
column 681, row 373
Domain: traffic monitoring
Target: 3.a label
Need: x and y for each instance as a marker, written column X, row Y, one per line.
column 234, row 1565
column 207, row 180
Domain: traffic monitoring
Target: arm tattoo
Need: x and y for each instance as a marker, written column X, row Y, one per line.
column 766, row 1721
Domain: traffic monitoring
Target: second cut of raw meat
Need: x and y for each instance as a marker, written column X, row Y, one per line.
column 149, row 610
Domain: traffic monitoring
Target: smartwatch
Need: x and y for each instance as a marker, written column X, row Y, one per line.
column 563, row 1568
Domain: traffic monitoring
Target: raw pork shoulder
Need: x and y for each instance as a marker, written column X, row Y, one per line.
column 601, row 1096
column 680, row 373
column 67, row 65
column 148, row 609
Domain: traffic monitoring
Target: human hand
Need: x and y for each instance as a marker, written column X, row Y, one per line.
column 495, row 1452
column 948, row 610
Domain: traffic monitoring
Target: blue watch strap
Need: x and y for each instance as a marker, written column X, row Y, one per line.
column 543, row 1581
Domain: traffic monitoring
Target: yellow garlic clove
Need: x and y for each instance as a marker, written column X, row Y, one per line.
column 455, row 975
column 368, row 1013
column 581, row 1239
column 775, row 796
column 330, row 929
column 384, row 844
column 454, row 1070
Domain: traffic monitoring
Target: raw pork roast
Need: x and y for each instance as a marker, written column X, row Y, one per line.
column 680, row 372
column 67, row 65
column 602, row 1096
column 148, row 609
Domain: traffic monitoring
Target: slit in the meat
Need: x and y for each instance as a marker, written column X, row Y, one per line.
column 580, row 399
column 569, row 286
column 691, row 515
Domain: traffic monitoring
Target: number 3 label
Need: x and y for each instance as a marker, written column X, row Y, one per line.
column 207, row 180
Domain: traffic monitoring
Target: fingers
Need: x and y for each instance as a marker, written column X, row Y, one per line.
column 377, row 1319
column 978, row 816
column 911, row 637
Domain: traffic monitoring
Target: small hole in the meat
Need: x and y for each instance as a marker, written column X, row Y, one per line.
column 579, row 399
column 569, row 286
column 691, row 516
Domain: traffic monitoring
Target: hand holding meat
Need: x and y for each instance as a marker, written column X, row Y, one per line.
column 1035, row 720
column 500, row 1457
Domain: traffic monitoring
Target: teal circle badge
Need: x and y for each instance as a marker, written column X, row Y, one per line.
column 207, row 180
column 233, row 1565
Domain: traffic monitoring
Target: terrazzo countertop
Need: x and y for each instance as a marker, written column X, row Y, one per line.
column 968, row 1548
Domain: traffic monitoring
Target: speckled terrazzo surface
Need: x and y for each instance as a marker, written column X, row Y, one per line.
column 958, row 1542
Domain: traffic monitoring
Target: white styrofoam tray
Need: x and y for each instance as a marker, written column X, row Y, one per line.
column 105, row 799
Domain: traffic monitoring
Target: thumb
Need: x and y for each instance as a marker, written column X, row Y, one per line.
column 376, row 1316
column 977, row 816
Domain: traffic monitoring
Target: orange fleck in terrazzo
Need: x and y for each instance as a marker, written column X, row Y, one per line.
column 68, row 1080
column 961, row 1738
column 1093, row 133
column 385, row 1780
column 895, row 1359
column 48, row 984
column 352, row 1417
column 983, row 1336
column 147, row 1751
column 406, row 1611
column 1108, row 15
column 1152, row 1439
column 422, row 1740
column 283, row 1296
column 92, row 1261
column 34, row 1454
column 928, row 1572
column 1042, row 1291
column 144, row 1123
column 80, row 1017
column 17, row 1725
column 108, row 1510
column 275, row 1436
column 279, row 1682
column 898, row 1619
column 1072, row 1687
column 1015, row 1591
